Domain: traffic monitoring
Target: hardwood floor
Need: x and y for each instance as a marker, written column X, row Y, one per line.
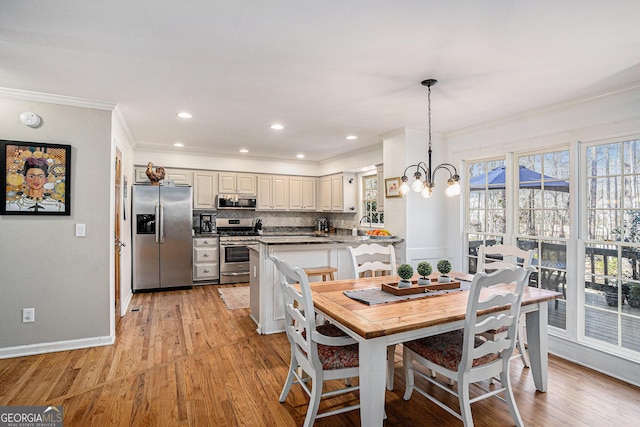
column 185, row 360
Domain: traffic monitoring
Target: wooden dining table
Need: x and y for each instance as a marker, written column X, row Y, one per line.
column 377, row 326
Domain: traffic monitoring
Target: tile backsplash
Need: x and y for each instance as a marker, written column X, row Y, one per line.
column 275, row 220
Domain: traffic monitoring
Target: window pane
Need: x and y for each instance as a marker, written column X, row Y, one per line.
column 603, row 160
column 601, row 325
column 631, row 331
column 543, row 195
column 603, row 223
column 603, row 192
column 496, row 222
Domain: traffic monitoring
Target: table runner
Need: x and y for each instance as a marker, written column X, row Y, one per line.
column 372, row 296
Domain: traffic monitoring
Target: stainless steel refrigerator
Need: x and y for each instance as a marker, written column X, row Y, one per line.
column 162, row 239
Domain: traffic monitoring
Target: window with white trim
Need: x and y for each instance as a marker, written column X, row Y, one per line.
column 369, row 197
column 612, row 244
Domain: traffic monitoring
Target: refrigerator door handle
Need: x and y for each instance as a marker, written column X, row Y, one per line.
column 157, row 223
column 161, row 223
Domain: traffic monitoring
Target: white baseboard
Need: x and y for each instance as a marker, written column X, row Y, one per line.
column 52, row 347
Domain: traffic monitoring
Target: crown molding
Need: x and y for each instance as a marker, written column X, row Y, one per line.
column 26, row 95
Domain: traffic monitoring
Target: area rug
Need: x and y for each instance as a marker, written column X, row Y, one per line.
column 237, row 297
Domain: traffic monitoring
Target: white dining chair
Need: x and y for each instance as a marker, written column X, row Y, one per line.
column 465, row 355
column 492, row 258
column 322, row 352
column 374, row 259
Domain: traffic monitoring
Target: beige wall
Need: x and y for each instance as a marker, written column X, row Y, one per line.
column 44, row 266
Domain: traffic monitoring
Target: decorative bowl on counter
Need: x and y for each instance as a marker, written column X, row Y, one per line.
column 379, row 233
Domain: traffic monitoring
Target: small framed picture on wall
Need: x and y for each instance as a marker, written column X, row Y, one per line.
column 36, row 178
column 392, row 187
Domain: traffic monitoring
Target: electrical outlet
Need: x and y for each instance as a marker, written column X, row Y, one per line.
column 28, row 315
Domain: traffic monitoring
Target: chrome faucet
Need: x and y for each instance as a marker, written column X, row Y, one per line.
column 365, row 217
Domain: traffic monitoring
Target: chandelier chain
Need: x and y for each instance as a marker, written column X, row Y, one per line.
column 429, row 114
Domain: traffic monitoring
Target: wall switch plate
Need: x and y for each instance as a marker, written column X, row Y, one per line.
column 28, row 315
column 81, row 230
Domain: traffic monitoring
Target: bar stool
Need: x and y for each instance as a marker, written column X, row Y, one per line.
column 324, row 271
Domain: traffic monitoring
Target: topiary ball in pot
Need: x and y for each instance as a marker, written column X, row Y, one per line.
column 424, row 269
column 444, row 267
column 405, row 271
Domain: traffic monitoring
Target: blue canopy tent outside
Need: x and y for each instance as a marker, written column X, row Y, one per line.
column 528, row 180
column 496, row 178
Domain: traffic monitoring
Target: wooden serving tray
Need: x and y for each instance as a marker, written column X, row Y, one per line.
column 416, row 289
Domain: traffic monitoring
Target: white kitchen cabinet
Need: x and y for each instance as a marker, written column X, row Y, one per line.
column 338, row 193
column 179, row 176
column 303, row 193
column 205, row 189
column 273, row 192
column 236, row 183
column 206, row 259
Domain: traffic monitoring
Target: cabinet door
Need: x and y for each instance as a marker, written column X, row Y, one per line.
column 204, row 189
column 264, row 193
column 309, row 194
column 246, row 184
column 296, row 189
column 337, row 201
column 179, row 176
column 226, row 182
column 280, row 193
column 325, row 194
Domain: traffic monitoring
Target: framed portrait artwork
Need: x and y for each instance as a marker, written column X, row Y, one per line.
column 392, row 187
column 36, row 178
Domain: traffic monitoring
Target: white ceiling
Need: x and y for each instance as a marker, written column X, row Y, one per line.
column 324, row 69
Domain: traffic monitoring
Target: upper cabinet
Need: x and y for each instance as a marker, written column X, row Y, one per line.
column 205, row 189
column 273, row 192
column 338, row 193
column 178, row 176
column 303, row 193
column 241, row 183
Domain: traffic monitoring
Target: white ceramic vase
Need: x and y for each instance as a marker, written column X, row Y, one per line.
column 404, row 284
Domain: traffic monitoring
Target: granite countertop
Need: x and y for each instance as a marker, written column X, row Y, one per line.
column 326, row 238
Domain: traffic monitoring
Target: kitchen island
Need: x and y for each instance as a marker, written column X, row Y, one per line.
column 301, row 251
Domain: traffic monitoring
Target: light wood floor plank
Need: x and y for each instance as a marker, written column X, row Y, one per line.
column 185, row 360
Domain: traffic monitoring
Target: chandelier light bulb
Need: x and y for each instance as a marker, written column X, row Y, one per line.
column 404, row 188
column 426, row 192
column 453, row 189
column 417, row 186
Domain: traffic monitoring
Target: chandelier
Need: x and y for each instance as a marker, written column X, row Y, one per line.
column 425, row 187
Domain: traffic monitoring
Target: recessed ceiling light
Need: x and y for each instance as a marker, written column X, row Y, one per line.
column 351, row 137
column 277, row 126
column 184, row 115
column 300, row 156
column 244, row 150
column 178, row 144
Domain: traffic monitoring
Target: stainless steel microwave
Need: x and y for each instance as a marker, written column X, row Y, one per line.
column 236, row 201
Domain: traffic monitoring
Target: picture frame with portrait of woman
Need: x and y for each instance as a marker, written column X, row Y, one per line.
column 36, row 178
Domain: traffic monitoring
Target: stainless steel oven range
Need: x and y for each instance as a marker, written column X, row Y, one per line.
column 236, row 237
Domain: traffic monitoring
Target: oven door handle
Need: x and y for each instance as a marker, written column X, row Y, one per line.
column 236, row 244
column 241, row 273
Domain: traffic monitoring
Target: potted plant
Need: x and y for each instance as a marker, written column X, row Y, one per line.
column 424, row 269
column 634, row 295
column 405, row 271
column 444, row 267
column 611, row 295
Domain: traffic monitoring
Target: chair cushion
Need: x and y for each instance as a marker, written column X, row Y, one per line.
column 446, row 349
column 336, row 357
